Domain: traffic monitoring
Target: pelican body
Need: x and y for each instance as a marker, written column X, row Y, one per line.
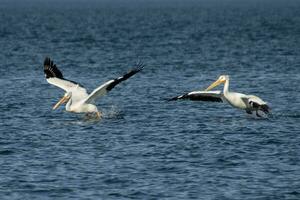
column 76, row 96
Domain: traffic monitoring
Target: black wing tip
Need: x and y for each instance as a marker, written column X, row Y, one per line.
column 138, row 66
column 171, row 99
column 177, row 97
column 47, row 61
column 50, row 69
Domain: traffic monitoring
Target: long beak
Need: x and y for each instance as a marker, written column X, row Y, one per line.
column 214, row 84
column 61, row 101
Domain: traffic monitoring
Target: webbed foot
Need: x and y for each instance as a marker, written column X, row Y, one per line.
column 99, row 115
column 258, row 115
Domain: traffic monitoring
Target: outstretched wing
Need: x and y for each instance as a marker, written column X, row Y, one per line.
column 109, row 85
column 55, row 77
column 214, row 96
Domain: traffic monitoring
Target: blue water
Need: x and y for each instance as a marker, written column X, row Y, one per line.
column 145, row 147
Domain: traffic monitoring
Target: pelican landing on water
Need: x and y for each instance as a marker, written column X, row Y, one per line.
column 249, row 103
column 76, row 96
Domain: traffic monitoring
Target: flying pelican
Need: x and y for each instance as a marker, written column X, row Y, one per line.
column 76, row 96
column 249, row 103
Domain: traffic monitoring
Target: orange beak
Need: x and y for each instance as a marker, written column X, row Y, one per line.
column 215, row 84
column 61, row 101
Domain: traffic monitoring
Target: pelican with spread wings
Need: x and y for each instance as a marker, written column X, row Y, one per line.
column 249, row 103
column 76, row 96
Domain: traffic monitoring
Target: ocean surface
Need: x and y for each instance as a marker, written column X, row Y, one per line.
column 146, row 147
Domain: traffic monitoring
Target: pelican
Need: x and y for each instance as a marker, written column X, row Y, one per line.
column 76, row 96
column 249, row 103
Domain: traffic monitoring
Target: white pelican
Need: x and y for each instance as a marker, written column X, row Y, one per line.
column 249, row 103
column 76, row 96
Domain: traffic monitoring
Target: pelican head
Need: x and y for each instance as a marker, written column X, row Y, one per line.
column 221, row 79
column 64, row 99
